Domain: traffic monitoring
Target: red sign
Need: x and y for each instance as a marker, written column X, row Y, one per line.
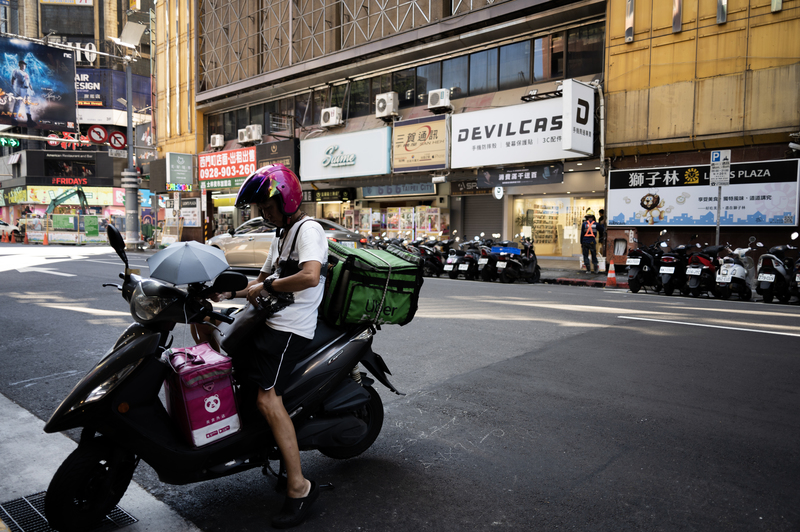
column 69, row 181
column 98, row 134
column 227, row 164
column 53, row 143
column 117, row 140
column 67, row 145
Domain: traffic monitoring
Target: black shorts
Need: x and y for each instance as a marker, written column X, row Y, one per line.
column 269, row 358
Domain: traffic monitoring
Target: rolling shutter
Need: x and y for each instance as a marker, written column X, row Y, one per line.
column 482, row 214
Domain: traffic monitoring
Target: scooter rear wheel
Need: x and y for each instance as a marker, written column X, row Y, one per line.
column 453, row 274
column 88, row 485
column 725, row 292
column 372, row 415
column 634, row 285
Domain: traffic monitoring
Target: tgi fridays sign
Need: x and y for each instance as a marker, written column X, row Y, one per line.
column 229, row 165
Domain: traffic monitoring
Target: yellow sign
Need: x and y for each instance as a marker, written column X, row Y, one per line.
column 95, row 196
column 420, row 145
column 229, row 201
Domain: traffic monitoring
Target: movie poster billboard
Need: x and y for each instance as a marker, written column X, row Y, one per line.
column 37, row 86
column 760, row 193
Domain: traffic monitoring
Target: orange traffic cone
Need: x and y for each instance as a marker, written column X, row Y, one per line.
column 45, row 242
column 4, row 239
column 611, row 278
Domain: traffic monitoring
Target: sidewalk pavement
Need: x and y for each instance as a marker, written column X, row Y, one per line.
column 29, row 459
column 556, row 271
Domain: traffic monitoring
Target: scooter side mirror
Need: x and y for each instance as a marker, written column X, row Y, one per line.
column 458, row 239
column 663, row 244
column 795, row 235
column 663, row 232
column 482, row 233
column 477, row 238
column 455, row 231
column 229, row 282
column 753, row 239
column 759, row 245
column 116, row 241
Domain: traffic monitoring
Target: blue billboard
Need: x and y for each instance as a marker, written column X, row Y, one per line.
column 102, row 89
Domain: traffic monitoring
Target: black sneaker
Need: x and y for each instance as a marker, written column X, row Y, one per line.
column 295, row 511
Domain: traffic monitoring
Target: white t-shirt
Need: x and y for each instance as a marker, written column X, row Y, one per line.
column 301, row 316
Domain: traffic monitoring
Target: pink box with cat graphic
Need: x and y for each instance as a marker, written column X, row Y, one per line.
column 200, row 394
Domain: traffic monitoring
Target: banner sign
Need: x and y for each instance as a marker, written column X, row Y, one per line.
column 365, row 153
column 144, row 139
column 516, row 134
column 227, row 164
column 38, row 86
column 411, row 189
column 13, row 196
column 760, row 193
column 216, row 184
column 180, row 168
column 98, row 87
column 420, row 144
column 513, row 177
column 467, row 188
column 190, row 211
column 95, row 196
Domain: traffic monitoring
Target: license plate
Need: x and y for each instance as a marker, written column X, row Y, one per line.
column 463, row 267
column 448, row 267
column 632, row 262
column 724, row 278
column 797, row 279
column 501, row 265
column 768, row 277
column 667, row 269
column 347, row 244
column 693, row 271
column 483, row 261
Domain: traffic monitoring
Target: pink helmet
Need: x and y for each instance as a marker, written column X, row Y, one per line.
column 270, row 181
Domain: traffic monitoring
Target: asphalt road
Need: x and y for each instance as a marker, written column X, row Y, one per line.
column 527, row 407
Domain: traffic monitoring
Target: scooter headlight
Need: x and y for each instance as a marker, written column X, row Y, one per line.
column 107, row 386
column 146, row 307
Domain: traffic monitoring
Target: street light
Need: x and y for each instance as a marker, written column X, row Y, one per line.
column 130, row 39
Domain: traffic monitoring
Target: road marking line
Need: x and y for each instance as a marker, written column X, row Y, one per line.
column 44, row 270
column 710, row 326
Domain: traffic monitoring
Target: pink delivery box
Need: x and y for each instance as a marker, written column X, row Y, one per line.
column 200, row 394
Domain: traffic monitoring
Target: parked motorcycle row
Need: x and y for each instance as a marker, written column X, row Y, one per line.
column 718, row 270
column 487, row 259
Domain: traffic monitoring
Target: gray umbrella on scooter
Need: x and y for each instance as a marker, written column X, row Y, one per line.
column 187, row 262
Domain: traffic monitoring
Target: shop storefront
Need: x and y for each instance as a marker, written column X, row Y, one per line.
column 520, row 151
column 414, row 210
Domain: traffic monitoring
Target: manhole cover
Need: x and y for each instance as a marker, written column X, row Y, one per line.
column 27, row 515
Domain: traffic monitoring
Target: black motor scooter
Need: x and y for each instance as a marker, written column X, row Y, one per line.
column 333, row 405
column 522, row 265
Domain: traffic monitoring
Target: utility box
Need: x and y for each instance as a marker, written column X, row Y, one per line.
column 618, row 243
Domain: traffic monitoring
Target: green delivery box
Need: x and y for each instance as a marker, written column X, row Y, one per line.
column 372, row 286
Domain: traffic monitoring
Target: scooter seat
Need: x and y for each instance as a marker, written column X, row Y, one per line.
column 322, row 335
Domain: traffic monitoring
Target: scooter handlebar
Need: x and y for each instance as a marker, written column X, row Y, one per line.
column 219, row 316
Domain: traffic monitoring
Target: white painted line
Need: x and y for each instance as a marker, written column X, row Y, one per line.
column 44, row 270
column 710, row 326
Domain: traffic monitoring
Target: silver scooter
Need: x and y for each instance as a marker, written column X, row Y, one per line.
column 737, row 273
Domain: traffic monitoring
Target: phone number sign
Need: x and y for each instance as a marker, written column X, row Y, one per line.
column 227, row 164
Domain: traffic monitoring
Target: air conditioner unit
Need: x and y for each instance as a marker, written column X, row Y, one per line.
column 244, row 136
column 254, row 132
column 217, row 141
column 386, row 105
column 439, row 99
column 331, row 117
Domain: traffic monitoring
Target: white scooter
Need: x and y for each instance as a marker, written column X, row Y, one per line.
column 737, row 273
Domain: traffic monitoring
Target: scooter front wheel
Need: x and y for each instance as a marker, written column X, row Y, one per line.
column 88, row 485
column 372, row 415
column 453, row 274
column 634, row 285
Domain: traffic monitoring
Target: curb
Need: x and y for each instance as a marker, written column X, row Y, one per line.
column 595, row 283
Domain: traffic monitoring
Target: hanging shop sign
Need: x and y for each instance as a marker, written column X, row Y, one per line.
column 286, row 152
column 420, row 144
column 190, row 211
column 760, row 193
column 223, row 169
column 180, row 168
column 467, row 188
column 350, row 155
column 516, row 134
column 578, row 105
column 543, row 174
column 334, row 194
column 410, row 189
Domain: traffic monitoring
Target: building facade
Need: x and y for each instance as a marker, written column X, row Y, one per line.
column 351, row 84
column 38, row 169
column 688, row 78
